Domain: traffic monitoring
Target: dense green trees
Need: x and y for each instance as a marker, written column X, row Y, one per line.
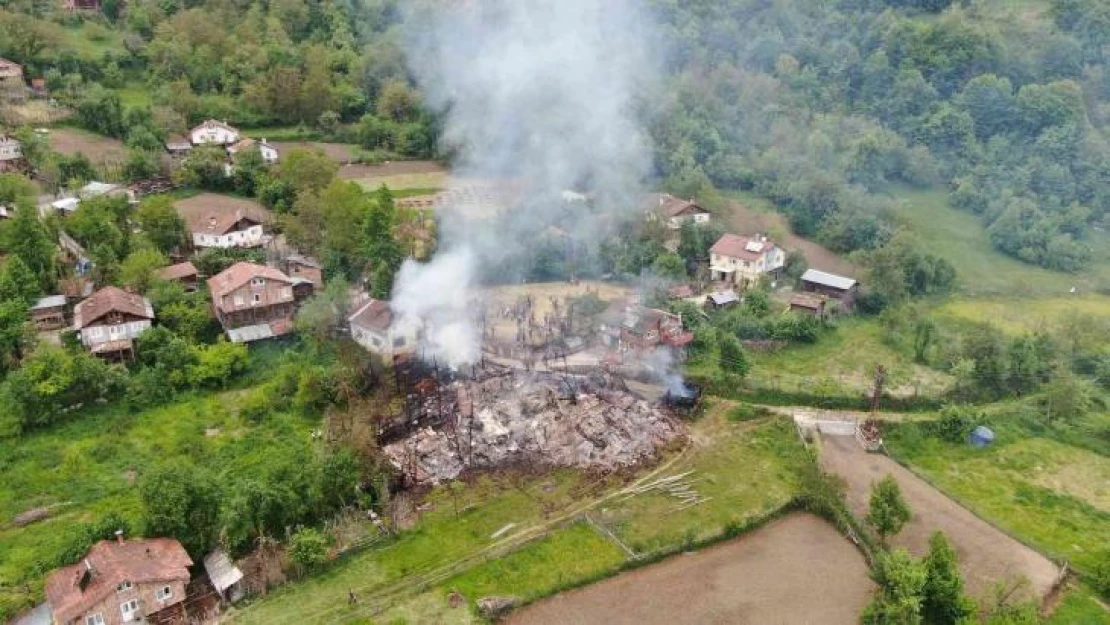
column 826, row 103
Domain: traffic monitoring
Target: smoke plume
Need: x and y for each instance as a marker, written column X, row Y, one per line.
column 539, row 96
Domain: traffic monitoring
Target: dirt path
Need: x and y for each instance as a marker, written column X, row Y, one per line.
column 795, row 570
column 986, row 554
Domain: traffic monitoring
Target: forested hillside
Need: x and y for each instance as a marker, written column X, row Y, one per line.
column 824, row 106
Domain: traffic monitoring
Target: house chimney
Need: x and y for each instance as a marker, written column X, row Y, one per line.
column 88, row 565
column 119, row 536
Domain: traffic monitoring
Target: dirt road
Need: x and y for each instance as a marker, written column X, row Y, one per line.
column 986, row 554
column 795, row 570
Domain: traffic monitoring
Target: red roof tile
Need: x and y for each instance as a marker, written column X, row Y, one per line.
column 742, row 247
column 239, row 274
column 178, row 271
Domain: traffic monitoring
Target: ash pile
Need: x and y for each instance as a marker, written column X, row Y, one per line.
column 532, row 419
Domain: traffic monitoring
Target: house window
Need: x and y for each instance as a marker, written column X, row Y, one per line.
column 94, row 619
column 123, row 586
column 163, row 593
column 257, row 298
column 129, row 610
column 287, row 293
column 258, row 281
column 399, row 342
column 238, row 300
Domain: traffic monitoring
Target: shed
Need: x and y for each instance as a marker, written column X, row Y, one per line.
column 981, row 436
column 49, row 312
column 226, row 578
column 722, row 299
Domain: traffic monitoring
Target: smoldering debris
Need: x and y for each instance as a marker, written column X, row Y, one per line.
column 538, row 419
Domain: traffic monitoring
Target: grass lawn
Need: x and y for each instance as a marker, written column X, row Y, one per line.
column 135, row 95
column 747, row 468
column 961, row 238
column 1052, row 495
column 1080, row 606
column 743, row 470
column 841, row 362
column 1027, row 314
column 91, row 41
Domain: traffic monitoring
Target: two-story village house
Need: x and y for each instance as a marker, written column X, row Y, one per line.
column 743, row 260
column 122, row 581
column 253, row 302
column 110, row 320
column 222, row 221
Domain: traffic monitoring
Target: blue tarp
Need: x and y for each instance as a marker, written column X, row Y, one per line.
column 981, row 436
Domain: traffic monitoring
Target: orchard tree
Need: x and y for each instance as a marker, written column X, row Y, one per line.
column 901, row 581
column 308, row 549
column 887, row 511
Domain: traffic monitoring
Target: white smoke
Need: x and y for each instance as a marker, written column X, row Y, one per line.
column 540, row 92
column 435, row 300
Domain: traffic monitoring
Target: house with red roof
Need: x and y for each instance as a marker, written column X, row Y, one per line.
column 253, row 302
column 743, row 260
column 122, row 581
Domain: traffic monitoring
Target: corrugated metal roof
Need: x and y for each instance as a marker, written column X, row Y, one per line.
column 50, row 301
column 246, row 334
column 721, row 298
column 221, row 572
column 828, row 279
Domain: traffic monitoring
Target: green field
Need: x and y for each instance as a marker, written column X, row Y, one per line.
column 1027, row 315
column 961, row 238
column 841, row 362
column 745, row 469
column 1054, row 496
column 91, row 41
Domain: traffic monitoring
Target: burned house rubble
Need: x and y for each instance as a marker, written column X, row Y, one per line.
column 507, row 417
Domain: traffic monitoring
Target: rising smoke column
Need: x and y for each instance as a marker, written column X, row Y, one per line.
column 541, row 91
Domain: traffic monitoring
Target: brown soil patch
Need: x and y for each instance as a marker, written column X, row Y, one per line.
column 748, row 221
column 795, row 570
column 395, row 172
column 100, row 150
column 341, row 153
column 986, row 554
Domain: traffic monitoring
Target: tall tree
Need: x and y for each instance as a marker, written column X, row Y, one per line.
column 26, row 237
column 382, row 250
column 180, row 499
column 161, row 223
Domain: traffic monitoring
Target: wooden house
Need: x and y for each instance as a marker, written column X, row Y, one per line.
column 253, row 302
column 842, row 289
column 184, row 274
column 49, row 313
column 122, row 581
column 809, row 303
column 110, row 320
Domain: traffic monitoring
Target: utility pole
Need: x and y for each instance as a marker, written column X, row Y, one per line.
column 877, row 392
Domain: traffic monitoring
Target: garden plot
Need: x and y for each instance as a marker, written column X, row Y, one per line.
column 795, row 570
